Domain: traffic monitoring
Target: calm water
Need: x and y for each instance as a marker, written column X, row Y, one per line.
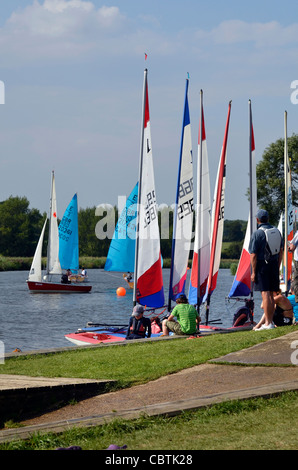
column 37, row 321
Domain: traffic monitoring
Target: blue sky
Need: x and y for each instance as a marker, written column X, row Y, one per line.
column 73, row 75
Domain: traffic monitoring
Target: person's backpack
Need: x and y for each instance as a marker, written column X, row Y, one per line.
column 273, row 242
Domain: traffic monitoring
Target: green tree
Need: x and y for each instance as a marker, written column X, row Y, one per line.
column 234, row 230
column 270, row 177
column 19, row 227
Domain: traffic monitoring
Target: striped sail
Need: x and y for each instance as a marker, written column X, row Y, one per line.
column 148, row 282
column 201, row 254
column 183, row 214
column 218, row 218
column 242, row 281
column 121, row 254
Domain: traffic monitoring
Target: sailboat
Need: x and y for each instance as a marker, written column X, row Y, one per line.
column 121, row 252
column 36, row 283
column 69, row 241
column 148, row 281
column 183, row 214
column 201, row 253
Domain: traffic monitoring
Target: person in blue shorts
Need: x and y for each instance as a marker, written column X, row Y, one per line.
column 264, row 271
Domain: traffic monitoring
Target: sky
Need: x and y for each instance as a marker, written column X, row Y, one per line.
column 73, row 76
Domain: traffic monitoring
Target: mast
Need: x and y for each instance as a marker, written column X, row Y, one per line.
column 139, row 191
column 251, row 202
column 199, row 209
column 286, row 205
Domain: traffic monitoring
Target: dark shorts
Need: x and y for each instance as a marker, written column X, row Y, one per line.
column 280, row 320
column 267, row 276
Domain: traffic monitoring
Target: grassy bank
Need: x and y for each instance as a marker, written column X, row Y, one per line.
column 88, row 262
column 255, row 424
column 118, row 362
column 268, row 423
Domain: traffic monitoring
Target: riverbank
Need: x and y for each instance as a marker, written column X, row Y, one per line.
column 147, row 416
column 8, row 263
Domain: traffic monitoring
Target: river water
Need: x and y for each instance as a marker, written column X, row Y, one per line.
column 39, row 321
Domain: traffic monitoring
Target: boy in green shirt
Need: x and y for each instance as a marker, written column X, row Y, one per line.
column 187, row 322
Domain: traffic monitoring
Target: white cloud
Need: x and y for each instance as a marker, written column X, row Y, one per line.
column 58, row 18
column 268, row 34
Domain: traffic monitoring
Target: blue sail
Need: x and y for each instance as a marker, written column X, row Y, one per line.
column 69, row 237
column 121, row 255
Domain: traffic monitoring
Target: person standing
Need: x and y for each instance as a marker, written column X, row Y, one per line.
column 265, row 269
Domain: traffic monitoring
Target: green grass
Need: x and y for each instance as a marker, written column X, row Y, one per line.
column 254, row 424
column 136, row 363
column 10, row 263
column 249, row 424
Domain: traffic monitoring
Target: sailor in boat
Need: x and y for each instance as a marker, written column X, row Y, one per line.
column 128, row 277
column 65, row 277
column 84, row 272
column 139, row 327
column 188, row 319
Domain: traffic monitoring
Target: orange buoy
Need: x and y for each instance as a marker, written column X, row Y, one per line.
column 121, row 291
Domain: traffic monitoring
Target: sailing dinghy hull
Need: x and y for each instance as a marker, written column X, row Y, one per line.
column 218, row 329
column 57, row 288
column 95, row 335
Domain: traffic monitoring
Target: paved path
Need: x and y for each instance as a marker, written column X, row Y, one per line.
column 199, row 386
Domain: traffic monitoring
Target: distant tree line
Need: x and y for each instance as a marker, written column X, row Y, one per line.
column 20, row 228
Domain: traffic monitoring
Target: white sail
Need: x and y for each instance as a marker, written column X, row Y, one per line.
column 35, row 271
column 148, row 282
column 53, row 264
column 183, row 216
column 201, row 254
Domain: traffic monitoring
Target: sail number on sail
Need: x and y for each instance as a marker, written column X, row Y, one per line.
column 64, row 230
column 186, row 207
column 150, row 209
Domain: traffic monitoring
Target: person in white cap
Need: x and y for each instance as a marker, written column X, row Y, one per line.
column 139, row 326
column 265, row 269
